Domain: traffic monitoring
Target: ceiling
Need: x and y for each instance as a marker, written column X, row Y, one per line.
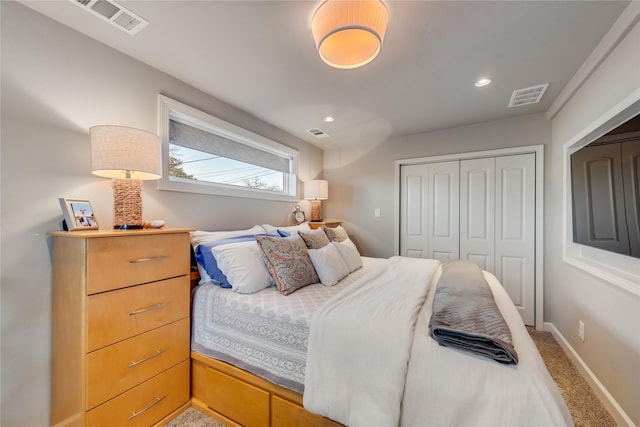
column 259, row 56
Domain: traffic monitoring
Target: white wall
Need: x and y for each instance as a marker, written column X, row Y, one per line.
column 56, row 84
column 361, row 179
column 611, row 315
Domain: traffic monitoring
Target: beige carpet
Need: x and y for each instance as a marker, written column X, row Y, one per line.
column 193, row 418
column 583, row 404
column 586, row 409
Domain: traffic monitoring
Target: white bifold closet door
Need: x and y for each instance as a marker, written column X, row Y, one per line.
column 477, row 211
column 429, row 200
column 482, row 210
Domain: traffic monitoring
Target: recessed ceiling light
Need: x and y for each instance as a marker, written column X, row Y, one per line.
column 328, row 119
column 483, row 82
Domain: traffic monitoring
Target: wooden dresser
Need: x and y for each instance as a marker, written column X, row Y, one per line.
column 121, row 327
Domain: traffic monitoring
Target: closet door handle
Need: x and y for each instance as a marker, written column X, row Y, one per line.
column 153, row 258
column 144, row 310
column 151, row 405
column 149, row 357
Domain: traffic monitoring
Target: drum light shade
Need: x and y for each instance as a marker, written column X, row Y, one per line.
column 316, row 189
column 128, row 156
column 349, row 33
column 124, row 152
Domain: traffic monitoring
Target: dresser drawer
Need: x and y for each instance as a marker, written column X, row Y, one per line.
column 120, row 314
column 117, row 368
column 118, row 262
column 147, row 403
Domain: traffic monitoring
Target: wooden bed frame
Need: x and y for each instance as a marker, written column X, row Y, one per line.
column 238, row 398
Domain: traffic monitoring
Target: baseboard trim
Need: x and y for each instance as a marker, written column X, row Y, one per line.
column 616, row 411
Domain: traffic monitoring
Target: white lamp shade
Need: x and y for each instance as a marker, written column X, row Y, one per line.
column 317, row 189
column 124, row 152
column 349, row 34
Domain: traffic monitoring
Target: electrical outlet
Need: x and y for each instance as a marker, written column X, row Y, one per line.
column 581, row 330
column 376, row 212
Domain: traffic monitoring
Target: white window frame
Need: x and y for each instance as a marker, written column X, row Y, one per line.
column 168, row 107
column 619, row 270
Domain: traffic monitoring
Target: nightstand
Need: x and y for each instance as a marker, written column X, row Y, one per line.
column 121, row 327
column 328, row 223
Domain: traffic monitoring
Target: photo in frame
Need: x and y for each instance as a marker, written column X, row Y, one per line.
column 78, row 214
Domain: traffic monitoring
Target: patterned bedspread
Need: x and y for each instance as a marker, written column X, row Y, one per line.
column 264, row 333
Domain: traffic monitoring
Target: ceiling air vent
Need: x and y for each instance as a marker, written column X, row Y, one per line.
column 115, row 14
column 526, row 96
column 318, row 133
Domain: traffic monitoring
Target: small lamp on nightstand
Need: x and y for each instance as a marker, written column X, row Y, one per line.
column 128, row 156
column 316, row 190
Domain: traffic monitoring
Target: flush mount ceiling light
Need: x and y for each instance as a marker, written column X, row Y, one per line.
column 483, row 82
column 349, row 33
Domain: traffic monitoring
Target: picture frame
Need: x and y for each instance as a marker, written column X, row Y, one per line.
column 78, row 214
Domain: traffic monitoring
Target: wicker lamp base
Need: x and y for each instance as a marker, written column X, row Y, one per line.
column 127, row 203
column 316, row 210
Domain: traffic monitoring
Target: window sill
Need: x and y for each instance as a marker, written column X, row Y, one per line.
column 215, row 190
column 619, row 270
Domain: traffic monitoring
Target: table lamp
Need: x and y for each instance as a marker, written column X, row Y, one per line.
column 128, row 156
column 316, row 190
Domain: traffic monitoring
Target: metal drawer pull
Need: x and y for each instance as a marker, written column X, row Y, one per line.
column 153, row 258
column 154, row 403
column 144, row 310
column 151, row 356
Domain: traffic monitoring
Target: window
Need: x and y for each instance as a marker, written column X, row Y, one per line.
column 204, row 154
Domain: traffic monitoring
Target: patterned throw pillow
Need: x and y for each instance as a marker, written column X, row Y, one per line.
column 315, row 239
column 288, row 262
column 336, row 234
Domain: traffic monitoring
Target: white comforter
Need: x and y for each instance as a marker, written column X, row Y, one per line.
column 358, row 379
column 371, row 362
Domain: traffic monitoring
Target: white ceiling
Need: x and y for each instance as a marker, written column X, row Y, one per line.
column 260, row 57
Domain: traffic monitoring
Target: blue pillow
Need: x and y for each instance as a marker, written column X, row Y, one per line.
column 205, row 258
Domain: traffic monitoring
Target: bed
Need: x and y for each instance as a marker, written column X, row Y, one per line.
column 348, row 354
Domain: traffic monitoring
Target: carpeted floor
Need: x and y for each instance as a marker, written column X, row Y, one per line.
column 586, row 409
column 193, row 418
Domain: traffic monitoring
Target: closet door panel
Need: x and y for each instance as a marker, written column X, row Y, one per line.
column 631, row 179
column 443, row 221
column 481, row 259
column 413, row 211
column 512, row 270
column 598, row 210
column 515, row 230
column 477, row 193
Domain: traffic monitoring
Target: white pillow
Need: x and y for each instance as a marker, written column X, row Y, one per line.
column 200, row 236
column 289, row 229
column 349, row 253
column 329, row 265
column 243, row 266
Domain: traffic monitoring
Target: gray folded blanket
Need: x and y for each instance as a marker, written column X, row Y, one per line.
column 465, row 315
